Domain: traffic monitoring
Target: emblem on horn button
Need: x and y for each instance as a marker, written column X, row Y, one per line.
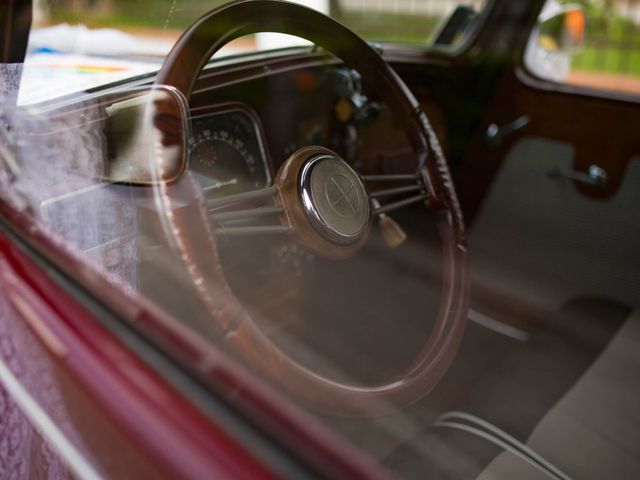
column 334, row 199
column 342, row 195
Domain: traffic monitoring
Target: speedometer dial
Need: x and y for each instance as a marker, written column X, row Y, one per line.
column 227, row 151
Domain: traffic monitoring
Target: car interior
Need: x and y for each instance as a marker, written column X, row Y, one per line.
column 544, row 381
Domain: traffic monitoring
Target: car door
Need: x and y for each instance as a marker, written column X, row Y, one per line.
column 549, row 184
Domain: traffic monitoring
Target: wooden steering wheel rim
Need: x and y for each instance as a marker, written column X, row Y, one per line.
column 195, row 238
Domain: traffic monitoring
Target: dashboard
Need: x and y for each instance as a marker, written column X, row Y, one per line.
column 258, row 115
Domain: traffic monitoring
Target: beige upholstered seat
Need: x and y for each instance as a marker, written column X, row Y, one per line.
column 594, row 430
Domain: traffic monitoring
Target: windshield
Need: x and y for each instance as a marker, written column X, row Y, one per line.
column 76, row 46
column 166, row 19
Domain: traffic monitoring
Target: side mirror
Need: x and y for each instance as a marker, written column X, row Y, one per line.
column 557, row 37
column 562, row 30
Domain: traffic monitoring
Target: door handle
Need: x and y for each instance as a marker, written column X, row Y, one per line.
column 595, row 176
column 496, row 134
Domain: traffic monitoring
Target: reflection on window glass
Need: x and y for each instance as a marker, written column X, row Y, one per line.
column 293, row 216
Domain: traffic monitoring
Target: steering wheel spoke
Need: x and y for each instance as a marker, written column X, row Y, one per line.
column 232, row 221
column 215, row 204
column 398, row 191
column 253, row 230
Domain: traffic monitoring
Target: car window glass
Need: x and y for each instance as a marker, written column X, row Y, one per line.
column 608, row 57
column 230, row 218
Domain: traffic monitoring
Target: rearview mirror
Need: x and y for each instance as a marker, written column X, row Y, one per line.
column 147, row 135
column 135, row 136
column 562, row 30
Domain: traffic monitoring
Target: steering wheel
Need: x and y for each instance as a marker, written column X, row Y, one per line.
column 326, row 207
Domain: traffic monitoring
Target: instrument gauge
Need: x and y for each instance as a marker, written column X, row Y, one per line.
column 227, row 151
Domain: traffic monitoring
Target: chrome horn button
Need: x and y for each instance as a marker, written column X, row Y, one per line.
column 334, row 199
